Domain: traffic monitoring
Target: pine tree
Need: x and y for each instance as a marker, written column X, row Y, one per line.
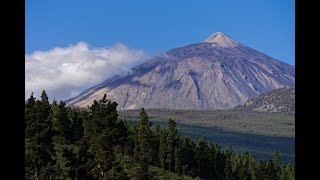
column 277, row 161
column 39, row 146
column 177, row 161
column 121, row 135
column 163, row 149
column 117, row 173
column 144, row 137
column 55, row 115
column 131, row 141
column 243, row 169
column 222, row 157
column 76, row 118
column 262, row 170
column 271, row 170
column 141, row 173
column 30, row 123
column 143, row 145
column 172, row 138
column 155, row 146
column 287, row 172
column 212, row 160
column 71, row 164
column 186, row 157
column 100, row 128
column 62, row 137
column 85, row 160
column 136, row 149
column 30, row 117
column 253, row 168
column 202, row 156
column 30, row 102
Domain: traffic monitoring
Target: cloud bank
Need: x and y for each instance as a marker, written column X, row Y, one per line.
column 66, row 72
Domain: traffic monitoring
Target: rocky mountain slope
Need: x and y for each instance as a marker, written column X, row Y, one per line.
column 218, row 73
column 281, row 101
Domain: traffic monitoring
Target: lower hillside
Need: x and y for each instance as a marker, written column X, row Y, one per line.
column 66, row 143
column 258, row 133
column 278, row 101
column 262, row 123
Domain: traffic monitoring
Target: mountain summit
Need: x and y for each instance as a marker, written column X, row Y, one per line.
column 219, row 73
column 219, row 39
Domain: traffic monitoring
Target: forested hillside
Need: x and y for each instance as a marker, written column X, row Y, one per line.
column 280, row 101
column 262, row 123
column 66, row 143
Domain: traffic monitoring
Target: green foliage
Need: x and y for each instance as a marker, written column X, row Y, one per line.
column 156, row 145
column 67, row 143
column 261, row 123
column 39, row 133
column 163, row 152
column 131, row 168
column 287, row 172
column 131, row 139
column 259, row 133
column 101, row 130
column 202, row 157
column 186, row 157
column 117, row 173
column 143, row 145
column 144, row 138
column 172, row 139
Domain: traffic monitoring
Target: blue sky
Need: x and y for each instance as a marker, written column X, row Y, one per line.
column 72, row 45
column 158, row 26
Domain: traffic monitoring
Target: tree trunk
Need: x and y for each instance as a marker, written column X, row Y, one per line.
column 102, row 176
column 36, row 175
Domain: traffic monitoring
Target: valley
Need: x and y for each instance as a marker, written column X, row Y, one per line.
column 260, row 123
column 259, row 133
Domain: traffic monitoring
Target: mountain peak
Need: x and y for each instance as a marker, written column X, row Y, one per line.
column 219, row 39
column 195, row 76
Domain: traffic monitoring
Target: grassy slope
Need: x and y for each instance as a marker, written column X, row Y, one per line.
column 237, row 121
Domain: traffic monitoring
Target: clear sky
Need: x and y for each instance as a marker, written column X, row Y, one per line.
column 158, row 26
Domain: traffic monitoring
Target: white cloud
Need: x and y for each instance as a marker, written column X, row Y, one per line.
column 65, row 72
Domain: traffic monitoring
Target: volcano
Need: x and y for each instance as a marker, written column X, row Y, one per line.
column 218, row 73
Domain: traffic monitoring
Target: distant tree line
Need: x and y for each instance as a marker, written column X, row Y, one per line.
column 69, row 143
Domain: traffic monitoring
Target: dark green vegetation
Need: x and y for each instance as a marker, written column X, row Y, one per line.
column 260, row 133
column 279, row 101
column 65, row 143
column 260, row 146
column 231, row 120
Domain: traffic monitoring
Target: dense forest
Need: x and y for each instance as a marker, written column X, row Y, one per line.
column 70, row 143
